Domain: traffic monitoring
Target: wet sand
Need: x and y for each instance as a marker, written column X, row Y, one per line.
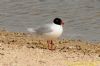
column 21, row 49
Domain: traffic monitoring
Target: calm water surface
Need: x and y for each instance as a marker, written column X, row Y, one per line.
column 81, row 17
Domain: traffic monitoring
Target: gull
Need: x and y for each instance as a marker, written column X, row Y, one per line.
column 50, row 31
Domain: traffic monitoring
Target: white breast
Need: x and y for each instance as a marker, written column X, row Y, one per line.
column 56, row 31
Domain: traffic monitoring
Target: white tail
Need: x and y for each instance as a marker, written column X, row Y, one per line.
column 30, row 30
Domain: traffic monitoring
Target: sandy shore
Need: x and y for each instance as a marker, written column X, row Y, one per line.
column 20, row 49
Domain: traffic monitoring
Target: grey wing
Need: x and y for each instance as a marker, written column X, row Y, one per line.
column 43, row 29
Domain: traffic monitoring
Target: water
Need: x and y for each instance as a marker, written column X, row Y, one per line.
column 81, row 17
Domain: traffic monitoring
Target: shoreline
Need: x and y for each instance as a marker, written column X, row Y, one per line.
column 22, row 48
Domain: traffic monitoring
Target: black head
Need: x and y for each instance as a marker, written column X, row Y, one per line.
column 58, row 21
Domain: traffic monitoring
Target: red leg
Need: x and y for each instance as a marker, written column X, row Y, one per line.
column 50, row 44
column 48, row 41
